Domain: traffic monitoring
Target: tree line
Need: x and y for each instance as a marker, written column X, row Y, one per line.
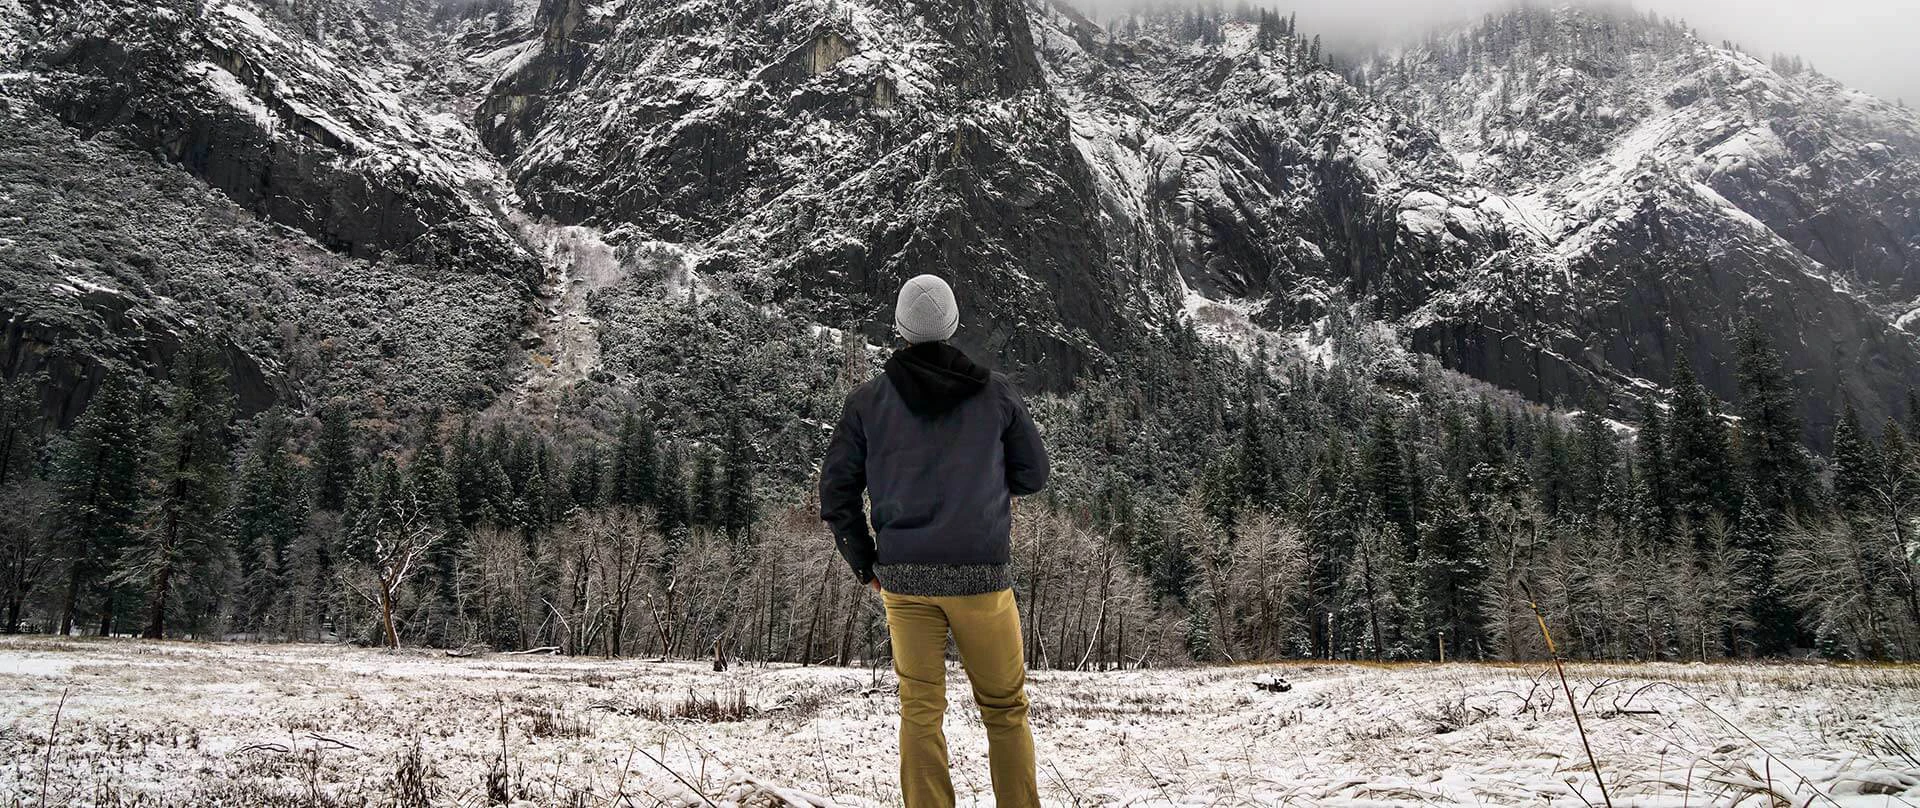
column 1206, row 507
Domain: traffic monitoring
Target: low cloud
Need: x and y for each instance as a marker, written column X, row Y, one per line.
column 1870, row 44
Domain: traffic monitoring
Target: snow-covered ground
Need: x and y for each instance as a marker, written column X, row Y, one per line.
column 177, row 723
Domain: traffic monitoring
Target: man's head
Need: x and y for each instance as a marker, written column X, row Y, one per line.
column 926, row 311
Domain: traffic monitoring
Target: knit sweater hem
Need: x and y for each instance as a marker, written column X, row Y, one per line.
column 944, row 580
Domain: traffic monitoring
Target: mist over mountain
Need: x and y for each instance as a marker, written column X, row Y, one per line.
column 1862, row 43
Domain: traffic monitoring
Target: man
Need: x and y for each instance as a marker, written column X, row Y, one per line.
column 941, row 446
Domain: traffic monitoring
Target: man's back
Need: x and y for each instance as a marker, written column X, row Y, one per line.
column 941, row 445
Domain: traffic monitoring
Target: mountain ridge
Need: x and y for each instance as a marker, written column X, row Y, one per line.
column 1082, row 185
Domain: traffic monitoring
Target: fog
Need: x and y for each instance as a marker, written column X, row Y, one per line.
column 1870, row 44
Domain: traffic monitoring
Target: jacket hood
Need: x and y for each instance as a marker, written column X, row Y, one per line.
column 933, row 377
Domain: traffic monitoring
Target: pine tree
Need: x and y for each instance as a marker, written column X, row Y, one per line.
column 1387, row 475
column 1654, row 512
column 432, row 477
column 1697, row 465
column 472, row 477
column 1255, row 475
column 20, row 425
column 1340, row 513
column 1491, row 440
column 1452, row 569
column 706, row 488
column 1596, row 458
column 1553, row 467
column 636, row 462
column 431, row 480
column 737, row 504
column 24, row 551
column 1777, row 477
column 586, row 486
column 671, row 496
column 268, row 515
column 183, row 532
column 1852, row 463
column 1220, row 491
column 536, row 492
column 334, row 459
column 1372, row 588
column 97, row 502
column 1770, row 427
column 1200, row 639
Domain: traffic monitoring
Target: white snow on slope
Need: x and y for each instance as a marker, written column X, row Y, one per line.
column 229, row 89
column 180, row 719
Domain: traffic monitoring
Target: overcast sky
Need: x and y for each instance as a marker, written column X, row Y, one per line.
column 1870, row 44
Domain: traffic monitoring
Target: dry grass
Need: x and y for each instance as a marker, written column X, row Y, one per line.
column 181, row 724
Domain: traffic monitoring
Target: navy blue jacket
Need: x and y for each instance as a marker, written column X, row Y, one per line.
column 942, row 446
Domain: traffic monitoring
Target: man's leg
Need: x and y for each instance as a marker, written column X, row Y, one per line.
column 919, row 631
column 986, row 628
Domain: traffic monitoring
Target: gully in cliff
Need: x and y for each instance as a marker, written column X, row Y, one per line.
column 942, row 446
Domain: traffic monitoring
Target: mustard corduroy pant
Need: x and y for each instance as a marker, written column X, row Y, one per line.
column 986, row 629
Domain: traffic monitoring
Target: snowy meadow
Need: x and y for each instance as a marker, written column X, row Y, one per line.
column 169, row 723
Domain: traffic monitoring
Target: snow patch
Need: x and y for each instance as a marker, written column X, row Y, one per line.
column 229, row 89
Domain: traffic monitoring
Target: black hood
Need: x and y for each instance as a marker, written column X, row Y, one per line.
column 932, row 377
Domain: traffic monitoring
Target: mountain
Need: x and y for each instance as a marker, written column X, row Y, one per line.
column 1665, row 188
column 176, row 167
column 1565, row 203
column 816, row 155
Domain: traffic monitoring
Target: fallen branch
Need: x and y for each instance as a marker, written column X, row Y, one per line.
column 324, row 739
column 792, row 798
column 676, row 776
column 544, row 649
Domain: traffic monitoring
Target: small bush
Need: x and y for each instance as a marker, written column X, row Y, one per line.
column 415, row 780
column 550, row 722
column 721, row 709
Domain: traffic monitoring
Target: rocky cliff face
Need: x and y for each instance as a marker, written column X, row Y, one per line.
column 1563, row 203
column 299, row 133
column 816, row 155
column 174, row 168
column 1663, row 189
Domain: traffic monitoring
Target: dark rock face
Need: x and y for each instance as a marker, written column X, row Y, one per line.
column 294, row 138
column 517, row 101
column 1569, row 232
column 145, row 342
column 1672, row 280
column 820, row 162
column 1667, row 189
column 1844, row 196
column 180, row 169
column 1560, row 202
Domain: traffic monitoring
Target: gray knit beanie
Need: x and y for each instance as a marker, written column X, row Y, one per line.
column 926, row 311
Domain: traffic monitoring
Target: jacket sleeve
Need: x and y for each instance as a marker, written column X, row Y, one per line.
column 843, row 479
column 1026, row 455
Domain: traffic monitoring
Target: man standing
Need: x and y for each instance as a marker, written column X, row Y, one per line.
column 942, row 446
